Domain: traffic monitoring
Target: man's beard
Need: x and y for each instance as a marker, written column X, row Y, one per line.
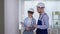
column 39, row 12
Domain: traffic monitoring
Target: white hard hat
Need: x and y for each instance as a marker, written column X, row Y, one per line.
column 40, row 4
column 31, row 10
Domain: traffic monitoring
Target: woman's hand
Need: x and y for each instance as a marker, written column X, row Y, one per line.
column 21, row 22
column 27, row 28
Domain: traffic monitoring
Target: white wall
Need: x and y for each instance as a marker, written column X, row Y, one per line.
column 50, row 6
column 11, row 21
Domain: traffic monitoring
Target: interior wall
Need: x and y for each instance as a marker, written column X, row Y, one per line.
column 11, row 19
column 1, row 16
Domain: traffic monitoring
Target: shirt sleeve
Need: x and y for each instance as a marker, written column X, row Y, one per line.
column 25, row 20
column 34, row 21
column 46, row 23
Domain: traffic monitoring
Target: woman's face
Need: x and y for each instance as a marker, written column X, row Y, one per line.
column 30, row 14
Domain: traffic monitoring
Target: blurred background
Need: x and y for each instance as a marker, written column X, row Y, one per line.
column 52, row 8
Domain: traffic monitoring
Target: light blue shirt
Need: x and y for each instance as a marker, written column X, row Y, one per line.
column 45, row 21
column 33, row 21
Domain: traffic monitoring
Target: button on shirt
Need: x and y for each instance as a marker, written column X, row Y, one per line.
column 45, row 21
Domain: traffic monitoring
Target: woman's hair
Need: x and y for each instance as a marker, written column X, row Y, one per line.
column 30, row 12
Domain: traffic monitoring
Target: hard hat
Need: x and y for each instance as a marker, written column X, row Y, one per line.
column 31, row 10
column 40, row 4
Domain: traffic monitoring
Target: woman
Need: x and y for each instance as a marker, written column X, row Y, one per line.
column 29, row 22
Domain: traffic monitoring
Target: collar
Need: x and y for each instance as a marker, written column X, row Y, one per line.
column 42, row 13
column 30, row 18
column 40, row 16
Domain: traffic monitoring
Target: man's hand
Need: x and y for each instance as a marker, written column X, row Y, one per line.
column 35, row 25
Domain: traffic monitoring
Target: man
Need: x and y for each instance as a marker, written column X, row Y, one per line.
column 29, row 22
column 43, row 21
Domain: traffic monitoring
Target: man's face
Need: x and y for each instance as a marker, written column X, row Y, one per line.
column 40, row 9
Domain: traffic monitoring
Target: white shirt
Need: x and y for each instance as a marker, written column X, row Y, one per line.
column 29, row 22
column 45, row 21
